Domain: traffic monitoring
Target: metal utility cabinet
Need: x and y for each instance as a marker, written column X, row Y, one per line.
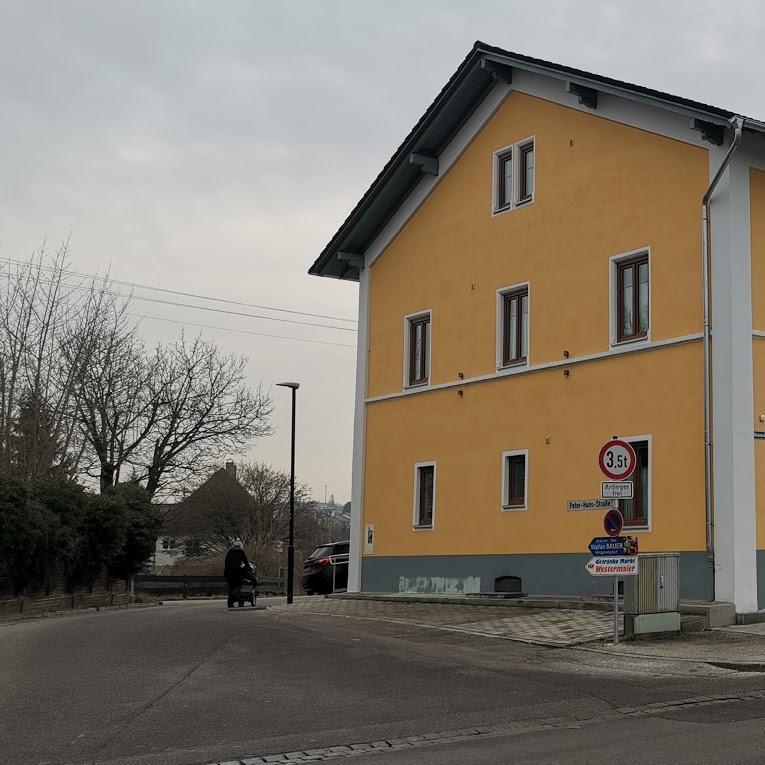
column 652, row 598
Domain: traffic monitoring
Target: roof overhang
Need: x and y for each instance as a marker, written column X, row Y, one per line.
column 343, row 257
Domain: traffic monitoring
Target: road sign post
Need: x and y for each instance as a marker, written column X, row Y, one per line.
column 615, row 555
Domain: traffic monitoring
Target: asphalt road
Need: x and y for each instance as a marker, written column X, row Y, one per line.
column 194, row 683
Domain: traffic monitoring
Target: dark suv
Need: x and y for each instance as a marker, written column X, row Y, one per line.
column 326, row 569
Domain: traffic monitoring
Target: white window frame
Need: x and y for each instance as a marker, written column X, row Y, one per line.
column 649, row 513
column 416, row 498
column 500, row 334
column 407, row 355
column 613, row 298
column 505, row 488
column 514, row 148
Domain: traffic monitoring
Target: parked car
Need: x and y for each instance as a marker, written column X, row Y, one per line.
column 326, row 569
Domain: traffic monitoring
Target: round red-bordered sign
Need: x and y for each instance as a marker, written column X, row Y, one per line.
column 613, row 522
column 617, row 460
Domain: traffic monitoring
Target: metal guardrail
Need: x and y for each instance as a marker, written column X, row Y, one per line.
column 337, row 561
column 191, row 585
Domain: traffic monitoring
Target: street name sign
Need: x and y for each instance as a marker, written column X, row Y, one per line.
column 616, row 489
column 613, row 565
column 617, row 459
column 576, row 505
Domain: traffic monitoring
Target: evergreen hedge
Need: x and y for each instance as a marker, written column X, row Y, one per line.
column 54, row 533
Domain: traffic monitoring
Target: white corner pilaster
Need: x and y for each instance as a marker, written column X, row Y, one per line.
column 359, row 435
column 732, row 387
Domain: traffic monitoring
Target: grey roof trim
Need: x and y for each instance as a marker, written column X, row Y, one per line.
column 457, row 100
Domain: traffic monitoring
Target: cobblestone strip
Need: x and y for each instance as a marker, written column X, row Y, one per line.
column 463, row 734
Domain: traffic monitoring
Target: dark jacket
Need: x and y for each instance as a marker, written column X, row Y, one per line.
column 237, row 568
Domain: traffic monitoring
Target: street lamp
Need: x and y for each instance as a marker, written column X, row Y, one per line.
column 291, row 542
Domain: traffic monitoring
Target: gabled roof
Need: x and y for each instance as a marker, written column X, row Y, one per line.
column 219, row 494
column 468, row 86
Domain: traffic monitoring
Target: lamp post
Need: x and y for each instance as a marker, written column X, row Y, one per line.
column 291, row 541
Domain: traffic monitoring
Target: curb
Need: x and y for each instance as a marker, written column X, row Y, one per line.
column 529, row 601
column 740, row 666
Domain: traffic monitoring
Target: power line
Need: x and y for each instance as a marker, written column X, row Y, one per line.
column 160, row 301
column 240, row 331
column 235, row 313
column 178, row 292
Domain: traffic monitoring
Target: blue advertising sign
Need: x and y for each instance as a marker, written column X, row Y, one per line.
column 614, row 546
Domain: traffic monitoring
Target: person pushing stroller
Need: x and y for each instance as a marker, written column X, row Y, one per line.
column 237, row 570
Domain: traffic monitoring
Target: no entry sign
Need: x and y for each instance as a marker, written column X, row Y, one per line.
column 617, row 460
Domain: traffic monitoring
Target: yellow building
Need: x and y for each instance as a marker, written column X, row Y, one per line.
column 532, row 283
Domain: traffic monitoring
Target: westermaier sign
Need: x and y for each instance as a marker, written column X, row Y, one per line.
column 626, row 565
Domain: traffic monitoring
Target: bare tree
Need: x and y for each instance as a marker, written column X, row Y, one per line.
column 47, row 323
column 270, row 491
column 117, row 403
column 79, row 392
column 204, row 409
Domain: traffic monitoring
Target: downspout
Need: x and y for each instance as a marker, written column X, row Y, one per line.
column 737, row 123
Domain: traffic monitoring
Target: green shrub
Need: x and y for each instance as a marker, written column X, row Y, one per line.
column 53, row 531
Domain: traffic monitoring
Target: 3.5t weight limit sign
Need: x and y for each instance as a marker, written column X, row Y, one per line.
column 617, row 460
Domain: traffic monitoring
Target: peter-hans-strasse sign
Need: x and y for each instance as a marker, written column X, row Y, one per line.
column 575, row 505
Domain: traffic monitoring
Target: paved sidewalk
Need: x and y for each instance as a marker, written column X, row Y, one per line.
column 549, row 626
column 738, row 647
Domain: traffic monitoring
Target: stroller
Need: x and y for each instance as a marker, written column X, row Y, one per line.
column 247, row 590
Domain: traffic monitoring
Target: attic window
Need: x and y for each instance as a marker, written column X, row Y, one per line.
column 514, row 176
column 505, row 180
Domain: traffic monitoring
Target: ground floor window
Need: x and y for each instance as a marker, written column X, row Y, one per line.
column 635, row 510
column 514, row 480
column 424, row 494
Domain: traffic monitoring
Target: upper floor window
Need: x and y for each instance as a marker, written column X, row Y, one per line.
column 513, row 325
column 514, row 175
column 417, row 362
column 505, row 180
column 632, row 298
column 526, row 180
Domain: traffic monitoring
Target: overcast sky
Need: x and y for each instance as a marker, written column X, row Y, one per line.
column 215, row 147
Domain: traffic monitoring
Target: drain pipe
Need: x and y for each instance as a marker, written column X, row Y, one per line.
column 737, row 123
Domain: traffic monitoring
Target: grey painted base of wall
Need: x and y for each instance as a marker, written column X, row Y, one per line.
column 541, row 574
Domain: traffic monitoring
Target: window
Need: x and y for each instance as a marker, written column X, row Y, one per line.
column 635, row 510
column 424, row 494
column 514, row 175
column 526, row 190
column 417, row 350
column 514, row 480
column 514, row 325
column 632, row 298
column 505, row 181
